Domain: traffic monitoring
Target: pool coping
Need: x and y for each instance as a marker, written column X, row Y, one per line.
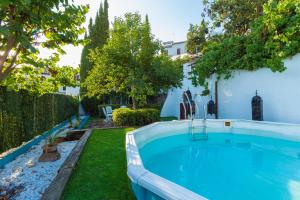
column 169, row 190
column 154, row 183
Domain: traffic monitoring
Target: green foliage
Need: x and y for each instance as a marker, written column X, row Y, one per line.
column 281, row 29
column 34, row 80
column 84, row 65
column 89, row 105
column 23, row 115
column 269, row 39
column 235, row 16
column 139, row 117
column 98, row 34
column 196, row 37
column 129, row 63
column 28, row 26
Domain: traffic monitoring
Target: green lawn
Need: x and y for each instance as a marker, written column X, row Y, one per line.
column 101, row 170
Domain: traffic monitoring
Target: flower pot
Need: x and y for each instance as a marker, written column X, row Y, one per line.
column 52, row 148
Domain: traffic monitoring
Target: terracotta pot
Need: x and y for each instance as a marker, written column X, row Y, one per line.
column 50, row 148
column 49, row 157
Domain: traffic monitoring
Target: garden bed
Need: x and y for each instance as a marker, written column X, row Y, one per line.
column 27, row 178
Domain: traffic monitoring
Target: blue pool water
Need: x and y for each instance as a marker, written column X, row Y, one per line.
column 228, row 166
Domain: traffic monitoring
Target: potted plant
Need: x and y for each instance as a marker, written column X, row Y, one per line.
column 50, row 152
column 50, row 145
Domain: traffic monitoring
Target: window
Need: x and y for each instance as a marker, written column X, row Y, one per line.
column 64, row 88
column 178, row 52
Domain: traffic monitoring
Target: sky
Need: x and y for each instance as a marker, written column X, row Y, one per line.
column 170, row 19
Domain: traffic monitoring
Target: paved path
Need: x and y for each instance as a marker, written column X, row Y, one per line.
column 100, row 123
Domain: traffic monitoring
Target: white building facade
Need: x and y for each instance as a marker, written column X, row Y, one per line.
column 73, row 91
column 280, row 93
column 175, row 48
column 66, row 90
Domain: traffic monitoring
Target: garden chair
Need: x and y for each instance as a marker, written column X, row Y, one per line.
column 109, row 110
column 108, row 115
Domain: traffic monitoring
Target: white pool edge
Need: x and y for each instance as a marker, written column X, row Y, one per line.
column 172, row 191
column 150, row 181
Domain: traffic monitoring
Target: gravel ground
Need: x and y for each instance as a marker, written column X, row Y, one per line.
column 26, row 178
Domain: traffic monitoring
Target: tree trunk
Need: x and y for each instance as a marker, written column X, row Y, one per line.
column 134, row 104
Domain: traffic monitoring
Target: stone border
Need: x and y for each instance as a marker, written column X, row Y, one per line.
column 56, row 188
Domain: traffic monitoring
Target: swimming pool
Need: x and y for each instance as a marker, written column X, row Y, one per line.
column 245, row 160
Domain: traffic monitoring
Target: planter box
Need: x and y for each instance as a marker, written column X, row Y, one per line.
column 56, row 188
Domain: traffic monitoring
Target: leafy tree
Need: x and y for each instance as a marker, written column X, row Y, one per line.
column 34, row 80
column 270, row 38
column 196, row 37
column 234, row 16
column 26, row 26
column 130, row 62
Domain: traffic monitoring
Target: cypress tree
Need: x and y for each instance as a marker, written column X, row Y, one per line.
column 98, row 34
column 147, row 47
column 106, row 21
column 84, row 62
column 147, row 20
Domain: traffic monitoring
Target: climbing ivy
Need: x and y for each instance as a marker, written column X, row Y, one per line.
column 272, row 37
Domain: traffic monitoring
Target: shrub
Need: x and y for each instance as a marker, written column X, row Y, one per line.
column 140, row 117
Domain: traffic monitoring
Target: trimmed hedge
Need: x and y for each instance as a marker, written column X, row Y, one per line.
column 139, row 117
column 24, row 115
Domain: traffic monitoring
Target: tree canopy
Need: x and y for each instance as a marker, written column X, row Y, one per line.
column 262, row 37
column 131, row 62
column 196, row 37
column 27, row 26
column 234, row 16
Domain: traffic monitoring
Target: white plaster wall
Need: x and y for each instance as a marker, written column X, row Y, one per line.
column 172, row 51
column 171, row 106
column 279, row 91
column 73, row 91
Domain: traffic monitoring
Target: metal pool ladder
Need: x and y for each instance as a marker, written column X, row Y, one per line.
column 202, row 134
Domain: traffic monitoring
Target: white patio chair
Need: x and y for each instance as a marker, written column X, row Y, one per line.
column 108, row 115
column 109, row 110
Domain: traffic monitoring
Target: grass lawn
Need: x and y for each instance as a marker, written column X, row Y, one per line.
column 101, row 170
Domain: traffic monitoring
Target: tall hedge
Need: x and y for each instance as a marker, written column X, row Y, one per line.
column 24, row 115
